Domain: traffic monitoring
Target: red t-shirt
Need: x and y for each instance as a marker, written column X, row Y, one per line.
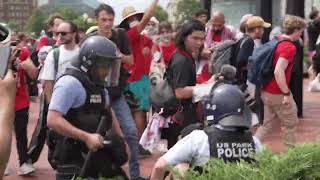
column 22, row 96
column 217, row 37
column 203, row 75
column 136, row 44
column 286, row 50
column 167, row 51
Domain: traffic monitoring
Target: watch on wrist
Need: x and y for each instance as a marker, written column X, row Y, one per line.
column 286, row 94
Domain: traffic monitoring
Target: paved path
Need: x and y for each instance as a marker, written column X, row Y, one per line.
column 308, row 130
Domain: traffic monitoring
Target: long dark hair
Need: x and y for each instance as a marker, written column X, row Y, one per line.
column 187, row 29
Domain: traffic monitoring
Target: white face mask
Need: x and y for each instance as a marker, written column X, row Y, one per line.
column 133, row 23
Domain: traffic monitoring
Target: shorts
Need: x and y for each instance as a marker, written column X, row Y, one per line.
column 141, row 92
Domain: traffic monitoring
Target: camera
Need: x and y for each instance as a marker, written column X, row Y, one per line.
column 5, row 50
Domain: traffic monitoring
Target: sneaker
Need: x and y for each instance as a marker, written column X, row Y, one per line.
column 6, row 172
column 143, row 153
column 26, row 169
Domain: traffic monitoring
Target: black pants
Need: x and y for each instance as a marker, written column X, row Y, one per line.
column 20, row 128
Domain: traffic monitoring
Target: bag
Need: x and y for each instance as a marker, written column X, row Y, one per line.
column 260, row 68
column 314, row 85
column 224, row 53
column 157, row 67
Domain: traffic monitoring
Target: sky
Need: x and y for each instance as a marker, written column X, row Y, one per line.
column 140, row 5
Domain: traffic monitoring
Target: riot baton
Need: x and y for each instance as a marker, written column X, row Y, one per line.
column 90, row 153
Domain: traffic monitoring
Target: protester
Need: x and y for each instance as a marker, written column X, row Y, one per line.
column 23, row 65
column 202, row 15
column 134, row 22
column 105, row 20
column 59, row 58
column 276, row 96
column 182, row 76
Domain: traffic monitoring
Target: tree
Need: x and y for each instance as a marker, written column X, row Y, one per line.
column 186, row 10
column 68, row 13
column 13, row 25
column 161, row 14
column 36, row 22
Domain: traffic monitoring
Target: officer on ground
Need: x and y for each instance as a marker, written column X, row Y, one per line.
column 80, row 117
column 227, row 135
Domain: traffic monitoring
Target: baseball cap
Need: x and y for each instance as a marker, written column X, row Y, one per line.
column 256, row 21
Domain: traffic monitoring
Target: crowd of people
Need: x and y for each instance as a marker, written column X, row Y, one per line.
column 95, row 91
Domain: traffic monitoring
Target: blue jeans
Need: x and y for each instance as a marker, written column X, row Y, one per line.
column 125, row 119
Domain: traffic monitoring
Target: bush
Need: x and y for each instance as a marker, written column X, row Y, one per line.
column 300, row 162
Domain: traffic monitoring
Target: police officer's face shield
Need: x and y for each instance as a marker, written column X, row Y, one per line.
column 106, row 71
column 5, row 49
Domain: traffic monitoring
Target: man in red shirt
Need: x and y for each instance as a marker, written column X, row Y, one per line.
column 276, row 96
column 134, row 22
column 22, row 65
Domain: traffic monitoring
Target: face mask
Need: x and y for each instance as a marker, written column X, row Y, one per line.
column 133, row 23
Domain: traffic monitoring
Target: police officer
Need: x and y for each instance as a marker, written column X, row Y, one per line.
column 79, row 114
column 227, row 135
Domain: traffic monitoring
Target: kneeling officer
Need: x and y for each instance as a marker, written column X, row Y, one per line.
column 227, row 135
column 80, row 118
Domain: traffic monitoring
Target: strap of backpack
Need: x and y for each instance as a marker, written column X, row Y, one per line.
column 56, row 54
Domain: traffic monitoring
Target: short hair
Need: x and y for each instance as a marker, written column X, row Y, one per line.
column 104, row 7
column 186, row 29
column 165, row 25
column 313, row 14
column 52, row 17
column 21, row 35
column 201, row 12
column 291, row 23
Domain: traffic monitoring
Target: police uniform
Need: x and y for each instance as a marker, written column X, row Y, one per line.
column 85, row 104
column 228, row 136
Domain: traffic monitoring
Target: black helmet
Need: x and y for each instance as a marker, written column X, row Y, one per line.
column 226, row 106
column 97, row 51
column 5, row 50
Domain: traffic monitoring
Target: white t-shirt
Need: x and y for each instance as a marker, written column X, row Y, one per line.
column 65, row 57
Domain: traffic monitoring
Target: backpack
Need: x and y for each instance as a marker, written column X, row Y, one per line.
column 260, row 68
column 162, row 94
column 224, row 53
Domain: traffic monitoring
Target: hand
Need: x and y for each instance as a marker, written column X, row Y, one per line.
column 94, row 142
column 286, row 101
column 206, row 54
column 7, row 90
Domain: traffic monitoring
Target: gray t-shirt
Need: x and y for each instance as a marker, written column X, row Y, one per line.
column 194, row 149
column 68, row 93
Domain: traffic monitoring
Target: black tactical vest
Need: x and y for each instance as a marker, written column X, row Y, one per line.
column 231, row 146
column 86, row 117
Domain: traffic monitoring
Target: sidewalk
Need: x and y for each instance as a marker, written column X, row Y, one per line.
column 308, row 130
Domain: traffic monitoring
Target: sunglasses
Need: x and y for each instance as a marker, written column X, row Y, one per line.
column 63, row 33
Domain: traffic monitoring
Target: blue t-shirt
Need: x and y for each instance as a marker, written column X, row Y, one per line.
column 68, row 93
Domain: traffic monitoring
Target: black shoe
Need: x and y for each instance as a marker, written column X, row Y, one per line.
column 143, row 153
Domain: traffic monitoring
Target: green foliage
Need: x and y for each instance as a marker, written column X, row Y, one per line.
column 186, row 10
column 68, row 13
column 161, row 14
column 36, row 22
column 15, row 26
column 300, row 162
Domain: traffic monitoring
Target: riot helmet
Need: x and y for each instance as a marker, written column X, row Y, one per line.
column 226, row 106
column 5, row 50
column 99, row 60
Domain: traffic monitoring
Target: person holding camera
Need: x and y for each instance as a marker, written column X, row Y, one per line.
column 22, row 66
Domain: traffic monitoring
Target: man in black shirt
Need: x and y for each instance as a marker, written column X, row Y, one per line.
column 105, row 20
column 182, row 76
